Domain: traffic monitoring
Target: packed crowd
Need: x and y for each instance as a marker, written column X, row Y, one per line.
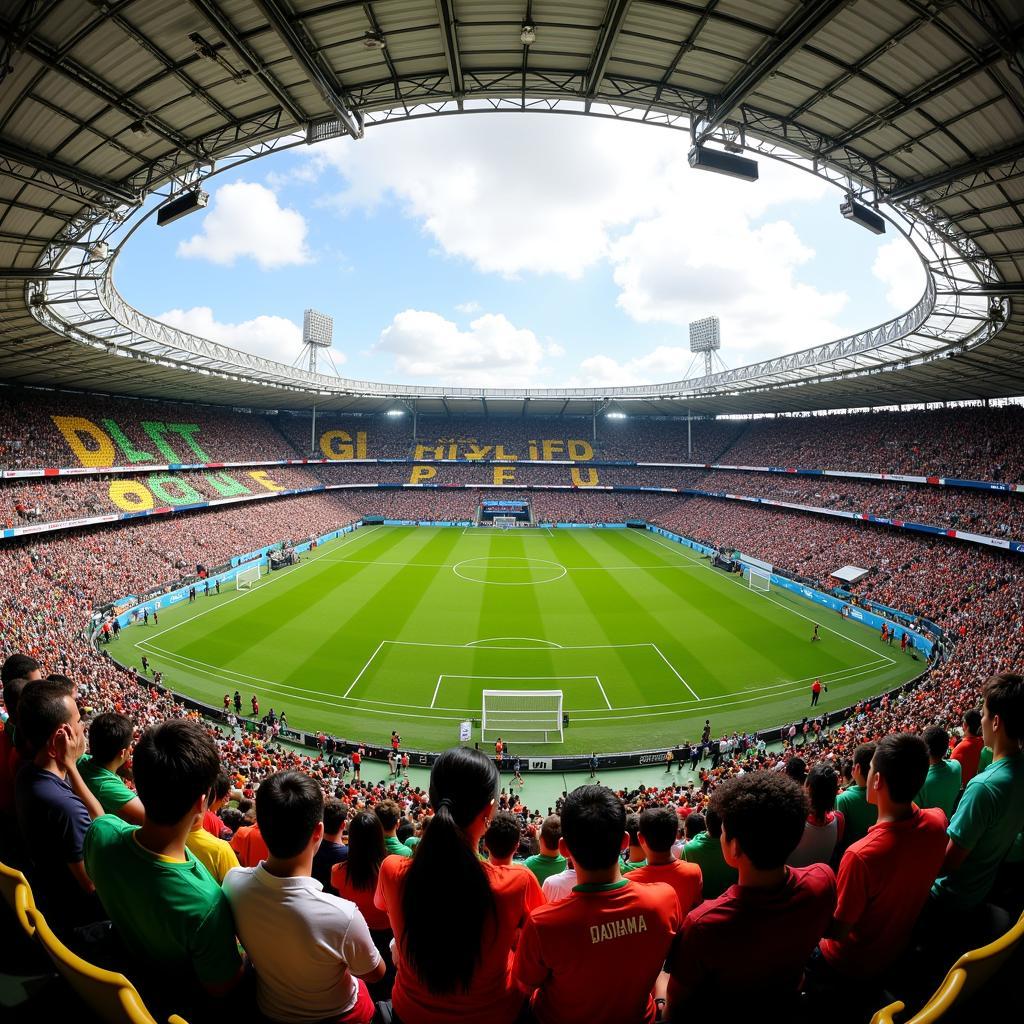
column 29, row 437
column 765, row 882
column 985, row 512
column 52, row 499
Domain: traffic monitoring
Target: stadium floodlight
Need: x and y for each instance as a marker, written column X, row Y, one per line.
column 374, row 41
column 182, row 206
column 703, row 159
column 528, row 35
column 706, row 340
column 862, row 215
column 317, row 329
column 616, row 415
column 396, row 412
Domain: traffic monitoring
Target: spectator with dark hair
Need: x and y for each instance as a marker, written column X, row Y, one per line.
column 968, row 750
column 634, row 852
column 796, row 769
column 312, row 952
column 858, row 814
column 705, row 850
column 55, row 808
column 355, row 879
column 501, row 840
column 249, row 845
column 169, row 911
column 549, row 861
column 990, row 814
column 390, row 814
column 454, row 916
column 110, row 740
column 942, row 783
column 885, row 877
column 823, row 829
column 658, row 829
column 20, row 666
column 749, row 946
column 331, row 850
column 630, row 927
column 219, row 796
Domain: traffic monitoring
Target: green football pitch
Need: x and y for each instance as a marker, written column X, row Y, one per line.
column 404, row 628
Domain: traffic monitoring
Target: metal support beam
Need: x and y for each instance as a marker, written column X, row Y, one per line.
column 74, row 175
column 806, row 19
column 279, row 16
column 614, row 17
column 213, row 14
column 982, row 163
column 450, row 39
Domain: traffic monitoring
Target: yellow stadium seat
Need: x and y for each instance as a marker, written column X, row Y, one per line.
column 111, row 996
column 18, row 894
column 965, row 977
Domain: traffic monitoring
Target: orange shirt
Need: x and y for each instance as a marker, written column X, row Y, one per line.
column 492, row 997
column 683, row 876
column 375, row 919
column 248, row 844
column 596, row 955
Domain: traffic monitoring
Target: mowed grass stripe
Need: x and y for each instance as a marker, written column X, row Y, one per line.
column 314, row 627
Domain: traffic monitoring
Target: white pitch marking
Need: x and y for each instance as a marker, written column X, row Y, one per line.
column 364, row 668
column 674, row 672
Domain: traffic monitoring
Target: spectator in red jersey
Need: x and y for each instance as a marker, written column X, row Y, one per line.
column 248, row 844
column 454, row 916
column 747, row 949
column 630, row 927
column 658, row 829
column 885, row 877
column 968, row 750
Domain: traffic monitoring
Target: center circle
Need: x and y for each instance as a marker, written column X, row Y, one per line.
column 473, row 570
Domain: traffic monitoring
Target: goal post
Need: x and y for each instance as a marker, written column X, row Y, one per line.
column 247, row 577
column 758, row 579
column 528, row 716
column 504, row 522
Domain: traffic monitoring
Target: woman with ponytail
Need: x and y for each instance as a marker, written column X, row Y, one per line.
column 455, row 917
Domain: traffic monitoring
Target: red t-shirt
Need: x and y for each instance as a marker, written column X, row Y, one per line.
column 10, row 761
column 248, row 844
column 884, row 880
column 493, row 996
column 596, row 955
column 968, row 753
column 683, row 876
column 362, row 898
column 753, row 942
column 212, row 823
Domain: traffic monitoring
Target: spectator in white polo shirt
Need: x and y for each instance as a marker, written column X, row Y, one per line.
column 312, row 951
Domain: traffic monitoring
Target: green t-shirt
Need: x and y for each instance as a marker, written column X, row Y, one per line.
column 706, row 852
column 941, row 787
column 859, row 814
column 544, row 867
column 395, row 845
column 987, row 822
column 984, row 758
column 412, row 842
column 104, row 784
column 172, row 914
column 632, row 865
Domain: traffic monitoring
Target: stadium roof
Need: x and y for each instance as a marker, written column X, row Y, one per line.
column 915, row 105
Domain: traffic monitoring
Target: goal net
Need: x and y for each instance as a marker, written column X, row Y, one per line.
column 529, row 716
column 247, row 577
column 758, row 579
column 504, row 522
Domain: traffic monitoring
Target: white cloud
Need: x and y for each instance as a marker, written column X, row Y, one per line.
column 492, row 353
column 899, row 268
column 246, row 220
column 468, row 307
column 274, row 337
column 664, row 363
column 554, row 350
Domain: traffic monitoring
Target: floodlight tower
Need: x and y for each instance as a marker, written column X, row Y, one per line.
column 706, row 339
column 317, row 334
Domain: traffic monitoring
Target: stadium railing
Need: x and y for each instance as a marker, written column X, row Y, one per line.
column 110, row 995
column 968, row 975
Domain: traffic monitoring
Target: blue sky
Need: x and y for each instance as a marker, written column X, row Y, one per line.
column 494, row 249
